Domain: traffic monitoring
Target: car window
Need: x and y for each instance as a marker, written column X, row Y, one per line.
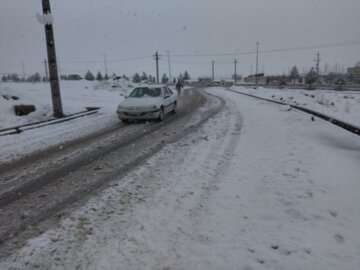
column 171, row 92
column 167, row 92
column 145, row 92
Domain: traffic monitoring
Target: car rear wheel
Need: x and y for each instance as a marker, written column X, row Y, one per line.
column 125, row 121
column 175, row 107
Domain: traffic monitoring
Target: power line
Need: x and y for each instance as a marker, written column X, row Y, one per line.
column 221, row 54
column 109, row 61
column 299, row 48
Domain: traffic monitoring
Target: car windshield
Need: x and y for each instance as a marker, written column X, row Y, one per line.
column 145, row 92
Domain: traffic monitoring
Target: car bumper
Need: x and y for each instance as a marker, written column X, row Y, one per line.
column 138, row 115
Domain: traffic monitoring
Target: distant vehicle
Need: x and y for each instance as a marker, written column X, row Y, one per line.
column 148, row 102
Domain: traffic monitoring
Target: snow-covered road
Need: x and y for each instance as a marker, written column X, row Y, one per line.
column 255, row 188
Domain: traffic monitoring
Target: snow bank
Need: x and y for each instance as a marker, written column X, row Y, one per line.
column 344, row 105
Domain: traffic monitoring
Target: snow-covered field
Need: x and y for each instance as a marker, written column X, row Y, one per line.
column 256, row 187
column 344, row 105
column 76, row 96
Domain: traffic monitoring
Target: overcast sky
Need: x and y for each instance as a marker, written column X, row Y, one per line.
column 86, row 30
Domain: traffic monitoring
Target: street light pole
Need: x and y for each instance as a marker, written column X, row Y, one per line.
column 169, row 66
column 213, row 70
column 157, row 57
column 235, row 72
column 257, row 64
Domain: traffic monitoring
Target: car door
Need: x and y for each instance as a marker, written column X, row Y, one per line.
column 173, row 95
column 173, row 99
column 167, row 100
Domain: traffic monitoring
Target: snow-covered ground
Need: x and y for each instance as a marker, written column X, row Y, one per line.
column 76, row 96
column 343, row 105
column 256, row 187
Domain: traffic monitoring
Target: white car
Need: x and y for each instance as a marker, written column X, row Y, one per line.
column 148, row 102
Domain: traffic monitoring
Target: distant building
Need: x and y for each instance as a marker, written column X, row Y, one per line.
column 204, row 79
column 252, row 78
column 354, row 73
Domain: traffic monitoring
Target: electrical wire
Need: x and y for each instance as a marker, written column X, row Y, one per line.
column 300, row 48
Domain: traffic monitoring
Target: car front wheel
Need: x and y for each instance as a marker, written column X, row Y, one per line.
column 161, row 115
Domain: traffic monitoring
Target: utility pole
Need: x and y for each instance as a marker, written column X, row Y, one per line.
column 46, row 70
column 105, row 65
column 317, row 60
column 235, row 73
column 54, row 76
column 59, row 69
column 23, row 70
column 257, row 64
column 213, row 69
column 156, row 56
column 169, row 64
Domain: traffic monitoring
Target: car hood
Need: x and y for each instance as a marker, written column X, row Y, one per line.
column 140, row 102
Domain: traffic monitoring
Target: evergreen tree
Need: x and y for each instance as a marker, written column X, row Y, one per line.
column 144, row 77
column 89, row 76
column 164, row 79
column 99, row 76
column 34, row 78
column 14, row 77
column 4, row 78
column 311, row 78
column 106, row 77
column 136, row 78
column 186, row 76
column 294, row 73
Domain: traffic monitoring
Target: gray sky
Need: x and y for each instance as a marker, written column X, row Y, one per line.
column 85, row 30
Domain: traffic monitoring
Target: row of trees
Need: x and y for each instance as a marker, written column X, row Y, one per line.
column 89, row 76
column 137, row 78
column 311, row 79
column 36, row 77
